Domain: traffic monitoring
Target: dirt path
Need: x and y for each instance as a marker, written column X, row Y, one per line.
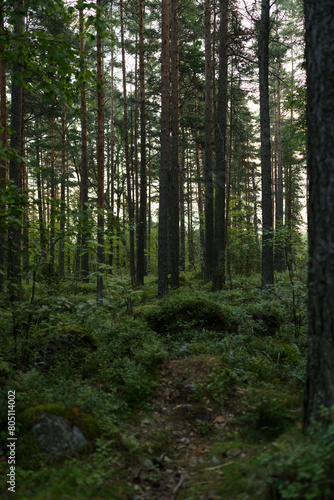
column 180, row 431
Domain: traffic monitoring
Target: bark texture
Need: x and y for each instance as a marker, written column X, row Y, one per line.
column 267, row 216
column 320, row 111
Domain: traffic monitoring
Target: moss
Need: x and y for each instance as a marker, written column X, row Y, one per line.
column 139, row 311
column 49, row 344
column 180, row 311
column 88, row 424
column 68, row 335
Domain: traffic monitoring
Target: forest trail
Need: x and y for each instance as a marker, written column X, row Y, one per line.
column 180, row 432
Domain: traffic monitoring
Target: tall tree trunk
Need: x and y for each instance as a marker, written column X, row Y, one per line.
column 182, row 214
column 165, row 154
column 279, row 205
column 41, row 225
column 218, row 278
column 3, row 161
column 112, row 168
column 24, row 190
column 319, row 390
column 142, row 226
column 100, row 163
column 53, row 196
column 267, row 217
column 127, row 155
column 61, row 257
column 200, row 195
column 14, row 228
column 173, row 181
column 84, row 158
column 208, row 209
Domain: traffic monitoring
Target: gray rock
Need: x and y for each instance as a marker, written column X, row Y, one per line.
column 56, row 436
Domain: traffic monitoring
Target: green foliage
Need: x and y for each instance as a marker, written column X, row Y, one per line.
column 50, row 343
column 181, row 311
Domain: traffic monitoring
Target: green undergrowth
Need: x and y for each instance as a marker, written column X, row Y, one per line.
column 63, row 350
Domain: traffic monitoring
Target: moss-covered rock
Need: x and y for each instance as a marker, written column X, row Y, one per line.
column 180, row 311
column 54, row 431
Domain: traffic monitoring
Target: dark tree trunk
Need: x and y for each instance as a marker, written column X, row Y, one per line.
column 127, row 156
column 3, row 162
column 53, row 196
column 61, row 257
column 111, row 221
column 84, row 159
column 14, row 228
column 320, row 111
column 173, row 181
column 279, row 254
column 267, row 216
column 208, row 180
column 218, row 278
column 100, row 164
column 165, row 154
column 141, row 243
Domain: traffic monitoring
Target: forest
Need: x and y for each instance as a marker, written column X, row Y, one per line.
column 166, row 249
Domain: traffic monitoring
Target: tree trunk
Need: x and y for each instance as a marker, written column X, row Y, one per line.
column 218, row 278
column 173, row 181
column 100, row 164
column 208, row 209
column 267, row 217
column 165, row 154
column 84, row 158
column 14, row 228
column 320, row 110
column 141, row 243
column 61, row 257
column 127, row 155
column 3, row 161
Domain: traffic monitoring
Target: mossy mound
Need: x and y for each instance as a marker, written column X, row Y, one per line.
column 50, row 344
column 179, row 312
column 266, row 318
column 30, row 453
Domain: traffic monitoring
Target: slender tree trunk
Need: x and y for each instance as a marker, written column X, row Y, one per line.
column 24, row 191
column 53, row 197
column 40, row 195
column 221, row 126
column 3, row 161
column 267, row 218
column 208, row 175
column 279, row 205
column 182, row 214
column 165, row 154
column 127, row 155
column 112, row 167
column 14, row 228
column 200, row 195
column 319, row 390
column 61, row 257
column 84, row 158
column 142, row 226
column 100, row 163
column 173, row 181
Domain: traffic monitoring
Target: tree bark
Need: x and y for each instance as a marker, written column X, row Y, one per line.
column 84, row 158
column 218, row 279
column 320, row 159
column 165, row 154
column 14, row 228
column 267, row 216
column 208, row 175
column 100, row 163
column 3, row 161
column 142, row 226
column 173, row 181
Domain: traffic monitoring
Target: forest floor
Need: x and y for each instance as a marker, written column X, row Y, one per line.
column 185, row 435
column 194, row 397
